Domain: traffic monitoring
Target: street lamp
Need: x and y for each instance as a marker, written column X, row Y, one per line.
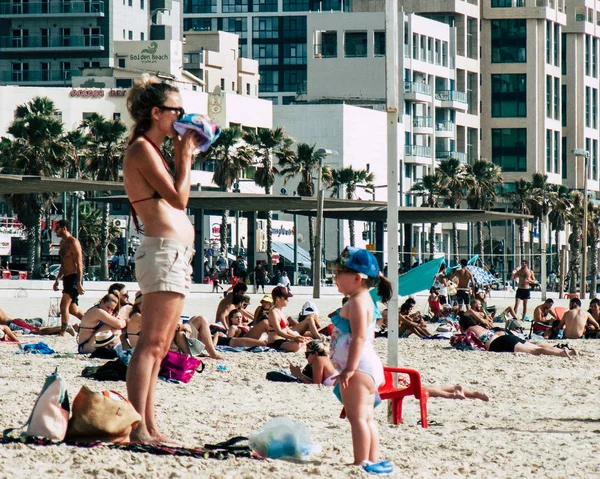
column 319, row 229
column 585, row 154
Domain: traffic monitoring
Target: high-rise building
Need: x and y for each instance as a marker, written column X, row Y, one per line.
column 48, row 42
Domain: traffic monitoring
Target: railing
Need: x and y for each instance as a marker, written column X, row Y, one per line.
column 422, row 122
column 417, row 150
column 71, row 41
column 444, row 125
column 417, row 87
column 38, row 76
column 41, row 8
column 451, row 95
column 459, row 155
column 193, row 59
column 301, row 88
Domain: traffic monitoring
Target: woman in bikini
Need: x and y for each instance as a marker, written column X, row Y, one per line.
column 97, row 319
column 235, row 334
column 280, row 336
column 163, row 260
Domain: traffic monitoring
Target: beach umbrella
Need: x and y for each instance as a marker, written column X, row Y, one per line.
column 482, row 276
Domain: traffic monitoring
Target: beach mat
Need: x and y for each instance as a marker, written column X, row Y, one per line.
column 220, row 451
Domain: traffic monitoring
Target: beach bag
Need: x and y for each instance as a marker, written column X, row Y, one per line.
column 50, row 413
column 107, row 416
column 467, row 342
column 180, row 367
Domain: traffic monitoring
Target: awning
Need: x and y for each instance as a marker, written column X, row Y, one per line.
column 23, row 184
column 287, row 251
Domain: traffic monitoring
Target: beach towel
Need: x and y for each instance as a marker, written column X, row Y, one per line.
column 467, row 342
column 239, row 349
column 36, row 348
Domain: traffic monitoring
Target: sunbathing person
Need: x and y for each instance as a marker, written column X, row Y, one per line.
column 577, row 322
column 120, row 291
column 479, row 315
column 502, row 342
column 27, row 326
column 280, row 335
column 98, row 319
column 235, row 334
column 437, row 308
column 7, row 335
column 131, row 333
column 409, row 323
column 262, row 312
column 323, row 372
column 229, row 302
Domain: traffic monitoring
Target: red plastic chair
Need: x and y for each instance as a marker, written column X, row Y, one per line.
column 6, row 274
column 22, row 274
column 412, row 387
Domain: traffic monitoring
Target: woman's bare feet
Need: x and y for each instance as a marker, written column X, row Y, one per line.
column 459, row 392
column 141, row 435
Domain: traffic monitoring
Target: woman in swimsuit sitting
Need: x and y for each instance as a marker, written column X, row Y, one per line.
column 410, row 323
column 280, row 335
column 97, row 319
column 131, row 333
column 235, row 335
column 501, row 342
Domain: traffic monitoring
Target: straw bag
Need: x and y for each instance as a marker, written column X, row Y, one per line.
column 106, row 417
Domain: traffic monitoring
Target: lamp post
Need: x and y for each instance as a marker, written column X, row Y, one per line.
column 319, row 227
column 586, row 166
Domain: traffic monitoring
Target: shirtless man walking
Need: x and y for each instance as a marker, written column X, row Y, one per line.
column 576, row 320
column 525, row 279
column 71, row 272
column 463, row 290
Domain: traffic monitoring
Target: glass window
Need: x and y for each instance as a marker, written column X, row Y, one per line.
column 294, row 53
column 563, row 102
column 594, row 108
column 328, row 46
column 548, row 96
column 555, row 39
column 509, row 148
column 556, row 148
column 265, row 27
column 501, row 3
column 237, row 25
column 200, row 6
column 269, row 80
column 379, row 44
column 563, row 158
column 563, row 53
column 355, row 44
column 234, row 6
column 264, row 5
column 415, row 46
column 588, row 147
column 509, row 95
column 595, row 58
column 295, row 5
column 595, row 160
column 509, row 41
column 293, row 80
column 588, row 99
column 587, row 42
column 294, row 27
column 266, row 54
column 556, row 98
column 549, row 151
column 200, row 24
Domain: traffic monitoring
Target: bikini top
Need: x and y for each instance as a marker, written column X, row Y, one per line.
column 343, row 324
column 485, row 337
column 282, row 324
column 156, row 195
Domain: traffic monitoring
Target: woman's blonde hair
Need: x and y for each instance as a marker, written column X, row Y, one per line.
column 318, row 347
column 145, row 95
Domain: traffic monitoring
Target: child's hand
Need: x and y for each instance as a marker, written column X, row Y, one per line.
column 344, row 377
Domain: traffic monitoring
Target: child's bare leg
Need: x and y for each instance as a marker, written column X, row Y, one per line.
column 374, row 450
column 358, row 399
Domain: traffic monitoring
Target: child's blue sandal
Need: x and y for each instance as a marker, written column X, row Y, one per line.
column 383, row 467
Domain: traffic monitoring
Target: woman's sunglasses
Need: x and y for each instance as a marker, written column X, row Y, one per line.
column 180, row 111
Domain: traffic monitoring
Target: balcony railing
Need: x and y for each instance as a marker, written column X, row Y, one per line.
column 417, row 150
column 459, row 155
column 39, row 76
column 417, row 87
column 444, row 125
column 52, row 8
column 451, row 95
column 422, row 122
column 56, row 41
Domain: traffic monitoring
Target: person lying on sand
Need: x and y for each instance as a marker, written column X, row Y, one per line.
column 323, row 372
column 25, row 326
column 99, row 318
column 501, row 342
column 577, row 321
column 7, row 335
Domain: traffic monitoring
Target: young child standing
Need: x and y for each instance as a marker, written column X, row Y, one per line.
column 353, row 353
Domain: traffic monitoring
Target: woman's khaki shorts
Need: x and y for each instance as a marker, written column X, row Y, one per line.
column 163, row 264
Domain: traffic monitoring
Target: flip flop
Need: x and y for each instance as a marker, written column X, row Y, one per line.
column 381, row 468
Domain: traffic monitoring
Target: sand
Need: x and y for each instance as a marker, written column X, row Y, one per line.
column 542, row 420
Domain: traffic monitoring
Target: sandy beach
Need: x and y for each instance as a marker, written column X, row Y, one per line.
column 542, row 419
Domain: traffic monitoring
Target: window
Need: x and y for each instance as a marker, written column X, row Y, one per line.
column 594, row 108
column 563, row 102
column 200, row 24
column 264, row 5
column 379, row 44
column 563, row 53
column 265, row 27
column 269, row 80
column 556, row 37
column 587, row 106
column 121, row 62
column 91, row 64
column 92, row 38
column 423, row 48
column 509, row 148
column 355, row 44
column 200, row 6
column 588, row 147
column 556, row 148
column 293, row 80
column 20, row 72
column 123, row 82
column 130, row 35
column 266, row 54
column 294, row 53
column 548, row 96
column 472, row 93
column 501, row 3
column 294, row 27
column 563, row 158
column 587, row 42
column 594, row 155
column 328, row 46
column 19, row 38
column 549, row 42
column 142, row 36
column 509, row 96
column 65, row 70
column 45, row 71
column 595, row 58
column 142, row 4
column 295, row 5
column 556, row 99
column 237, row 25
column 247, row 88
column 509, row 41
column 235, row 6
column 130, row 3
column 472, row 30
column 549, row 151
column 116, row 116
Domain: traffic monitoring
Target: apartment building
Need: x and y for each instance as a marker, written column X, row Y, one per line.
column 271, row 31
column 48, row 42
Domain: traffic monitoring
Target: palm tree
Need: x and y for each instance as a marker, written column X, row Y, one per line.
column 231, row 157
column 452, row 172
column 558, row 217
column 593, row 238
column 103, row 163
column 79, row 147
column 541, row 200
column 349, row 179
column 430, row 188
column 520, row 203
column 575, row 220
column 265, row 143
column 37, row 147
column 90, row 234
column 483, row 178
column 304, row 162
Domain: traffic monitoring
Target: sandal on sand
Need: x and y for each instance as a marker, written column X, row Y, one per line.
column 381, row 468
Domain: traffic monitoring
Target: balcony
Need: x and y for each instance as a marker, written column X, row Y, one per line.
column 417, row 91
column 444, row 128
column 444, row 155
column 46, row 77
column 422, row 125
column 52, row 9
column 417, row 154
column 63, row 43
column 455, row 100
